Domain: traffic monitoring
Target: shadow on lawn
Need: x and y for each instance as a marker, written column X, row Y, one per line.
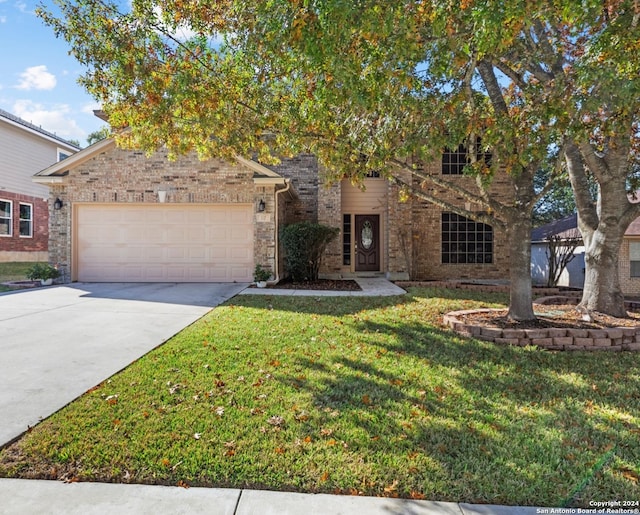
column 551, row 427
column 340, row 306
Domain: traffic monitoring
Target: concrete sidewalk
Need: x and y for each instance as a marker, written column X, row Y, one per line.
column 371, row 287
column 21, row 497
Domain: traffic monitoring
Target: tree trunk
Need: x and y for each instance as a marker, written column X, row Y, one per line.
column 519, row 236
column 602, row 290
column 603, row 222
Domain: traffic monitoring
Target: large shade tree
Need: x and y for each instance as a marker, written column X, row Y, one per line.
column 384, row 85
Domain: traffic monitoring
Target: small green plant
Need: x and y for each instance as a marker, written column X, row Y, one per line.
column 260, row 274
column 42, row 271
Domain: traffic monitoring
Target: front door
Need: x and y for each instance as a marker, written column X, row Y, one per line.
column 367, row 243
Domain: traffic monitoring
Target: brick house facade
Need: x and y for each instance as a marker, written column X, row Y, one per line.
column 24, row 210
column 129, row 217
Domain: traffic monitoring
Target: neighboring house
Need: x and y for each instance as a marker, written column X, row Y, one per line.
column 24, row 209
column 629, row 260
column 128, row 217
column 567, row 229
column 573, row 276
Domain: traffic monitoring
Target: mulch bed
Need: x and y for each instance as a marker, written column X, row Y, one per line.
column 563, row 316
column 320, row 284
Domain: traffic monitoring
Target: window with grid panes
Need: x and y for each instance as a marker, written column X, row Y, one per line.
column 6, row 220
column 465, row 241
column 454, row 161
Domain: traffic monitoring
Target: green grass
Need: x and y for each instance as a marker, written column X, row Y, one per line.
column 354, row 395
column 13, row 271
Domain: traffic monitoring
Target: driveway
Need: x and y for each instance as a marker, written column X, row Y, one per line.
column 58, row 342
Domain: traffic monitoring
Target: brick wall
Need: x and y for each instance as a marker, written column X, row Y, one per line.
column 629, row 285
column 16, row 247
column 124, row 176
column 427, row 236
column 302, row 170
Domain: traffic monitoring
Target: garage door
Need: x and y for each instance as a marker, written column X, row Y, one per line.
column 164, row 243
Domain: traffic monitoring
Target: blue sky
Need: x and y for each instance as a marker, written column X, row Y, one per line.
column 38, row 78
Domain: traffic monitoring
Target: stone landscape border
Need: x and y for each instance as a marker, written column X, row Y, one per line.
column 552, row 338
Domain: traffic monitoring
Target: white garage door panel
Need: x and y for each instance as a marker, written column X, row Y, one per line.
column 161, row 242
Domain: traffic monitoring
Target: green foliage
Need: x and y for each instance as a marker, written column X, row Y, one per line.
column 42, row 271
column 378, row 85
column 304, row 243
column 99, row 135
column 367, row 396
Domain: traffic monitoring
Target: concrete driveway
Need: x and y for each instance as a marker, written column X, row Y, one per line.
column 58, row 342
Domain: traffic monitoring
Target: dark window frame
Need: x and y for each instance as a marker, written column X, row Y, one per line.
column 454, row 161
column 346, row 239
column 634, row 264
column 465, row 241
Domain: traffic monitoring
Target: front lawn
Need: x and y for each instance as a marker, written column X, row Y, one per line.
column 357, row 396
column 13, row 271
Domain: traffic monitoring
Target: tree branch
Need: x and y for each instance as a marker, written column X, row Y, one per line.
column 474, row 215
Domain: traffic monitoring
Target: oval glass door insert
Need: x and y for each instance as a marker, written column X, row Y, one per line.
column 366, row 238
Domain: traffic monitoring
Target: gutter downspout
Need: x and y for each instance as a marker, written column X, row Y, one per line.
column 276, row 236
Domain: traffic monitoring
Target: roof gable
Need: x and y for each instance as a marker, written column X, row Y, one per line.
column 55, row 172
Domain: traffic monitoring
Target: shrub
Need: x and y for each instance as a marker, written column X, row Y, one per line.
column 42, row 271
column 304, row 243
column 260, row 274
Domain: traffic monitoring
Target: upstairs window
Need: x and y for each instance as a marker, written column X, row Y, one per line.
column 454, row 161
column 465, row 241
column 26, row 220
column 62, row 155
column 6, row 221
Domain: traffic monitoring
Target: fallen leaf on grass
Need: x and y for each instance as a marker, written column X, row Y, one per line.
column 324, row 476
column 182, row 484
column 393, row 486
column 629, row 474
column 276, row 420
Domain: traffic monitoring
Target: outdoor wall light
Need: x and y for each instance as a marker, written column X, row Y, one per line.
column 162, row 195
column 57, row 205
column 261, row 206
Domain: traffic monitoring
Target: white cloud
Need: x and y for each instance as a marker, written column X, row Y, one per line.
column 22, row 7
column 3, row 19
column 90, row 108
column 37, row 77
column 57, row 119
